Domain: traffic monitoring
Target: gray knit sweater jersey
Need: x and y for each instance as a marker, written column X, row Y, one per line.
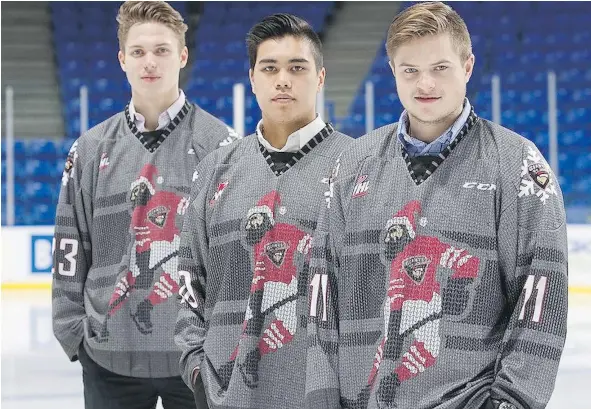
column 117, row 231
column 438, row 291
column 244, row 257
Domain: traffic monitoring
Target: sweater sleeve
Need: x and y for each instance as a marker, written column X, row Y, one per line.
column 322, row 377
column 533, row 261
column 191, row 325
column 210, row 134
column 72, row 256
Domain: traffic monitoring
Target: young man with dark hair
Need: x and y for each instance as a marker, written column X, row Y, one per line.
column 245, row 242
column 124, row 192
column 447, row 276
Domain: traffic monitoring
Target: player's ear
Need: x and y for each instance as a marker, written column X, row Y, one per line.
column 121, row 58
column 321, row 79
column 184, row 56
column 251, row 77
column 392, row 68
column 469, row 67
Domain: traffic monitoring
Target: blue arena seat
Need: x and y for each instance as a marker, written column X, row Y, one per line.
column 554, row 36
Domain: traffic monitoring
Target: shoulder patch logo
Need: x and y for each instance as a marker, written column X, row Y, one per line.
column 361, row 187
column 104, row 161
column 539, row 174
column 70, row 162
column 535, row 173
column 218, row 193
column 329, row 194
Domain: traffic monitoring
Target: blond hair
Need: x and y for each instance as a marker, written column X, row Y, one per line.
column 429, row 18
column 137, row 12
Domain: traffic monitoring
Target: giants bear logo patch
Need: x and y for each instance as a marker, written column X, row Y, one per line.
column 158, row 215
column 539, row 174
column 416, row 267
column 70, row 161
column 276, row 252
column 536, row 172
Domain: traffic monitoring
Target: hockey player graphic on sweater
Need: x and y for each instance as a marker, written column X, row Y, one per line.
column 155, row 250
column 274, row 288
column 413, row 308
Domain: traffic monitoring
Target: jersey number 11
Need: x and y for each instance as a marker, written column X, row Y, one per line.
column 320, row 281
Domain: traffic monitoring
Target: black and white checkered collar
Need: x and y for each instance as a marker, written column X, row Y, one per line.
column 438, row 159
column 312, row 143
column 165, row 132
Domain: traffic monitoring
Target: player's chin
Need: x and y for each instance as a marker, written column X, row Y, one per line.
column 428, row 114
column 286, row 109
column 148, row 89
column 286, row 114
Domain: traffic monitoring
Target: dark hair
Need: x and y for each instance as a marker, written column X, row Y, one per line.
column 282, row 25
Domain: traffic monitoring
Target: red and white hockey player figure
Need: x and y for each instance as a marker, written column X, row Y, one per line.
column 414, row 305
column 274, row 288
column 157, row 239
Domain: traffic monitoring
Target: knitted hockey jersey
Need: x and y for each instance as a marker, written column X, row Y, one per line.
column 244, row 251
column 440, row 290
column 117, row 233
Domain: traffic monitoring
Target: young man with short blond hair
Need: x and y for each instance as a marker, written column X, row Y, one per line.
column 124, row 193
column 446, row 235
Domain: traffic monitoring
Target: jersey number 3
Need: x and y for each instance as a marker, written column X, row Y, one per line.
column 68, row 269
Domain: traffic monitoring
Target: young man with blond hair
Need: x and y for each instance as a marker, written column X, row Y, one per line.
column 124, row 192
column 446, row 243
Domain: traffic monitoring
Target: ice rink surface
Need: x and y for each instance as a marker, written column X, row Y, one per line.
column 36, row 373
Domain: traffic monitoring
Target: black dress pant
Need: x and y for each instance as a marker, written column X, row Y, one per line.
column 104, row 389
